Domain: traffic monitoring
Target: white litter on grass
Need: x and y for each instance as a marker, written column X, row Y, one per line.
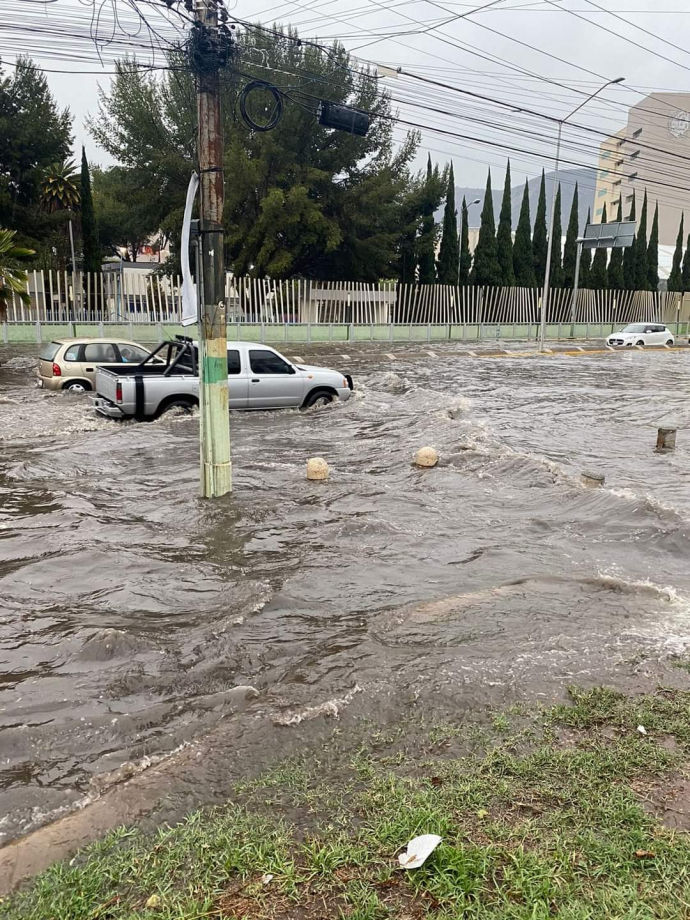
column 642, row 730
column 265, row 879
column 418, row 851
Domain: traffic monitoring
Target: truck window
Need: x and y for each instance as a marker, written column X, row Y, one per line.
column 267, row 362
column 234, row 366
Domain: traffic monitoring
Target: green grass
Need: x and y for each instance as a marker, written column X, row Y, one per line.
column 541, row 814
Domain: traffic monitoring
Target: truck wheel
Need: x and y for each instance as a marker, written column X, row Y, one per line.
column 184, row 407
column 641, row 342
column 77, row 386
column 318, row 399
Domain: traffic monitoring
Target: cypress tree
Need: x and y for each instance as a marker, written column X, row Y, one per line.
column 556, row 276
column 89, row 231
column 597, row 277
column 570, row 248
column 426, row 260
column 447, row 266
column 523, row 258
column 615, row 274
column 641, row 282
column 586, row 260
column 675, row 279
column 629, row 256
column 686, row 266
column 504, row 235
column 653, row 253
column 539, row 242
column 465, row 255
column 486, row 269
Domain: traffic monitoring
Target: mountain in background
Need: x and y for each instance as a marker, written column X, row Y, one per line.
column 586, row 181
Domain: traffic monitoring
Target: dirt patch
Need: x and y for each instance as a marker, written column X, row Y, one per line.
column 668, row 802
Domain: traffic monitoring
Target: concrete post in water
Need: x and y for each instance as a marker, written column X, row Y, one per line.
column 317, row 468
column 426, row 457
column 214, row 420
column 666, row 439
column 592, row 480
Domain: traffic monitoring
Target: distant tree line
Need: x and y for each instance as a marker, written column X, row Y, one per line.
column 502, row 259
column 301, row 200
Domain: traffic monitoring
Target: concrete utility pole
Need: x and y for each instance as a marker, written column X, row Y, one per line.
column 216, row 469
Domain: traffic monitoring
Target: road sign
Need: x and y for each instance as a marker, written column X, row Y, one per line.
column 616, row 235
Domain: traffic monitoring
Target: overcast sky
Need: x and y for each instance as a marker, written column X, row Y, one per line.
column 487, row 52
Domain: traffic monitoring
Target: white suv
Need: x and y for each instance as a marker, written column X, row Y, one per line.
column 642, row 334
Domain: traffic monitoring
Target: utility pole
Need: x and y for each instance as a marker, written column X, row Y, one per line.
column 216, row 469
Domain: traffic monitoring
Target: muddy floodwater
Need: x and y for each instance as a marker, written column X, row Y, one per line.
column 130, row 608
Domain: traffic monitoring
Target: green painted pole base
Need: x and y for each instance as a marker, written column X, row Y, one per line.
column 216, row 468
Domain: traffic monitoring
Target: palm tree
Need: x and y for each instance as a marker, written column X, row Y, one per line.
column 12, row 275
column 60, row 187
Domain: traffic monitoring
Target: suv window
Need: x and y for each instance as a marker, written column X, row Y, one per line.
column 100, row 352
column 72, row 353
column 131, row 354
column 267, row 362
column 234, row 366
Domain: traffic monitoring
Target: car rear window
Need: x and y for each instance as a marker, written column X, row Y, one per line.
column 49, row 350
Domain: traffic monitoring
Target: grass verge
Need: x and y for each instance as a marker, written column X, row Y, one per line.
column 542, row 815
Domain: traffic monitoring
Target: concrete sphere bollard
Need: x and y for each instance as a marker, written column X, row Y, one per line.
column 317, row 468
column 592, row 480
column 426, row 457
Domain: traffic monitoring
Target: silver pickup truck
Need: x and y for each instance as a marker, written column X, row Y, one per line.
column 258, row 378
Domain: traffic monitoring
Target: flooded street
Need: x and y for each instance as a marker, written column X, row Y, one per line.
column 130, row 608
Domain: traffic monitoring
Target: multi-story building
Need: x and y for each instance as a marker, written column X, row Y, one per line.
column 651, row 153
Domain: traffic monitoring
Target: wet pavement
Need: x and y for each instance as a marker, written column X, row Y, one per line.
column 130, row 608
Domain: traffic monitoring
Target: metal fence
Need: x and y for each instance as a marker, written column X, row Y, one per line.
column 128, row 296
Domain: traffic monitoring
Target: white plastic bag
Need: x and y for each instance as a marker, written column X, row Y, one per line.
column 418, row 851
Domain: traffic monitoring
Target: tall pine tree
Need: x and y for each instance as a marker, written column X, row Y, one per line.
column 91, row 250
column 615, row 272
column 539, row 241
column 486, row 269
column 675, row 279
column 426, row 244
column 629, row 256
column 523, row 258
column 556, row 276
column 465, row 254
column 597, row 276
column 504, row 235
column 653, row 253
column 447, row 267
column 586, row 259
column 570, row 247
column 641, row 282
column 686, row 266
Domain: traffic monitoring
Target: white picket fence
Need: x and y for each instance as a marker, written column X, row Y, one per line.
column 141, row 297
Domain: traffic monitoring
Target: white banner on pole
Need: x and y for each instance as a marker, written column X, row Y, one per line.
column 189, row 296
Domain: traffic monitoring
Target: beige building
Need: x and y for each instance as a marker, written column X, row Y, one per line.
column 652, row 152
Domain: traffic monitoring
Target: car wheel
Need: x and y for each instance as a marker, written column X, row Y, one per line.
column 183, row 407
column 77, row 386
column 318, row 400
column 670, row 342
column 641, row 342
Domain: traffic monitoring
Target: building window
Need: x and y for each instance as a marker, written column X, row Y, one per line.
column 598, row 212
column 637, row 133
column 619, row 162
column 634, row 155
column 605, row 154
column 602, row 191
column 603, row 172
column 617, row 182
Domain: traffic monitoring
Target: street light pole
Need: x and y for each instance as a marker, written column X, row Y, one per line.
column 549, row 248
